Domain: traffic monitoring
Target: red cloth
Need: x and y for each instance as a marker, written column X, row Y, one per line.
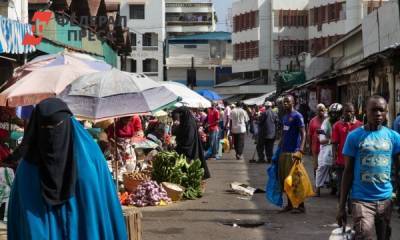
column 4, row 152
column 213, row 119
column 3, row 133
column 136, row 124
column 127, row 131
column 340, row 131
column 313, row 126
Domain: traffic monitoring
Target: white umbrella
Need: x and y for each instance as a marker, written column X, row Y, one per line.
column 109, row 94
column 189, row 98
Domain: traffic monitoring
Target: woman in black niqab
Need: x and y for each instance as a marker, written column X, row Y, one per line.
column 48, row 144
column 188, row 138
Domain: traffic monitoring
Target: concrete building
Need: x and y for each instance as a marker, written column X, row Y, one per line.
column 146, row 23
column 184, row 17
column 330, row 20
column 211, row 54
column 271, row 36
column 249, row 37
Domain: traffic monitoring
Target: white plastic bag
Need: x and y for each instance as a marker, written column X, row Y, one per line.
column 339, row 234
column 325, row 156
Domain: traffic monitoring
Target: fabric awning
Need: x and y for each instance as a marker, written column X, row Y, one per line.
column 259, row 100
column 12, row 34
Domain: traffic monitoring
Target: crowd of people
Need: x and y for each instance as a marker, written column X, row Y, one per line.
column 357, row 160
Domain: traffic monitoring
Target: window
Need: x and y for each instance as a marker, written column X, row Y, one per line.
column 133, row 39
column 245, row 21
column 150, row 40
column 133, row 66
column 328, row 13
column 136, row 11
column 291, row 48
column 319, row 44
column 293, row 18
column 150, row 65
column 247, row 50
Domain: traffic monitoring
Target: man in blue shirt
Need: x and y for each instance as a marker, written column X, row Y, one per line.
column 369, row 152
column 291, row 145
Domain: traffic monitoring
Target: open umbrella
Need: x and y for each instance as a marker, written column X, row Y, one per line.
column 58, row 59
column 104, row 95
column 189, row 98
column 41, row 84
column 62, row 58
column 210, row 95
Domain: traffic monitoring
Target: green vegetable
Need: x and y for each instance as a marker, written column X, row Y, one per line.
column 170, row 167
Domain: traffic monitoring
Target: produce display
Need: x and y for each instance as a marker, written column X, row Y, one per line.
column 149, row 193
column 138, row 176
column 192, row 180
column 173, row 168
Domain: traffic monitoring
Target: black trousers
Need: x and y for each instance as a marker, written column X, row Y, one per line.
column 267, row 145
column 238, row 141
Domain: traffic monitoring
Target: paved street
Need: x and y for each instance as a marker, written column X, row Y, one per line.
column 205, row 218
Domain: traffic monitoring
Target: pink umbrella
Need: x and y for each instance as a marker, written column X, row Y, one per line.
column 41, row 84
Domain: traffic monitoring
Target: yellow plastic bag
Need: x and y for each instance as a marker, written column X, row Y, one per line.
column 298, row 185
column 226, row 145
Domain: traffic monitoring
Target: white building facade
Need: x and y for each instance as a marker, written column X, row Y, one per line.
column 146, row 23
column 185, row 17
column 210, row 54
column 249, row 37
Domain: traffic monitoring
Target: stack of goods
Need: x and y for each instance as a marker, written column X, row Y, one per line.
column 134, row 179
column 149, row 193
column 172, row 178
column 174, row 168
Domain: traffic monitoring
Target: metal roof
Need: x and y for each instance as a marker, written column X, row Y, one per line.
column 236, row 82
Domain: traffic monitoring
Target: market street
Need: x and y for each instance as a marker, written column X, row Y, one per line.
column 204, row 218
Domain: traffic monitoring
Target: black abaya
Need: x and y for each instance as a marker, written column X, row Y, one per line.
column 188, row 138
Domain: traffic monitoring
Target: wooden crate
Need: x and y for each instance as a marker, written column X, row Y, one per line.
column 133, row 222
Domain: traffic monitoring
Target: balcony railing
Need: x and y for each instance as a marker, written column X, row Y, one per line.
column 187, row 61
column 188, row 4
column 188, row 23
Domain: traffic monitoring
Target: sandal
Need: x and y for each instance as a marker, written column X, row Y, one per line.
column 286, row 209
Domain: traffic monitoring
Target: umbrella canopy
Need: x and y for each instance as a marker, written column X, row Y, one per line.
column 52, row 60
column 63, row 58
column 41, row 84
column 210, row 95
column 189, row 97
column 104, row 95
